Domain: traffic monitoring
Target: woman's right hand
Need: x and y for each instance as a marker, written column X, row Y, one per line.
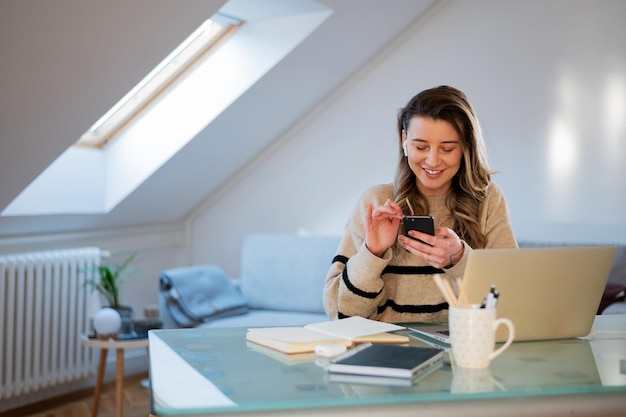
column 382, row 226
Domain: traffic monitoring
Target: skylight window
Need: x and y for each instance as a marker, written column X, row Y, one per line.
column 198, row 44
column 170, row 107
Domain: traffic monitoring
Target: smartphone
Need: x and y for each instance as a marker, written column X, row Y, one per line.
column 424, row 224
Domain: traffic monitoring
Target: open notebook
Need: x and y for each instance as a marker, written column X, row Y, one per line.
column 348, row 331
column 548, row 293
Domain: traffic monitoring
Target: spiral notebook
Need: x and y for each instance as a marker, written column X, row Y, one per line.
column 387, row 360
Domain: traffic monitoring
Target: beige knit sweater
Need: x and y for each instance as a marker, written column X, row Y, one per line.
column 399, row 287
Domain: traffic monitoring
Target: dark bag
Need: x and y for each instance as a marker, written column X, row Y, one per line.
column 197, row 294
column 613, row 292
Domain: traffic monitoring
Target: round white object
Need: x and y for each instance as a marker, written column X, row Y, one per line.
column 328, row 350
column 107, row 321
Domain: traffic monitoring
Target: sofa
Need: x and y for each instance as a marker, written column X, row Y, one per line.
column 282, row 279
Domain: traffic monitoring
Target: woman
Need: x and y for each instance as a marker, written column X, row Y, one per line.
column 442, row 171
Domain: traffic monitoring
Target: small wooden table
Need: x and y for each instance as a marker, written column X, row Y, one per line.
column 104, row 346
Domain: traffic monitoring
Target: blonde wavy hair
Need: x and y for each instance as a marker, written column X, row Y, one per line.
column 469, row 185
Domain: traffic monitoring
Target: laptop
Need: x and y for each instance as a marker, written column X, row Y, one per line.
column 548, row 293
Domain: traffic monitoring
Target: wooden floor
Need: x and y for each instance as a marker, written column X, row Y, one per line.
column 135, row 403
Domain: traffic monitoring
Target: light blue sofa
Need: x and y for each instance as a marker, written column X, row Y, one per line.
column 282, row 279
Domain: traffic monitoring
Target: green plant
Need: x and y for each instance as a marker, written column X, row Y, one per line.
column 108, row 280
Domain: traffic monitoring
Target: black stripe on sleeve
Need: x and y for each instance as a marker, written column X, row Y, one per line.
column 411, row 308
column 355, row 290
column 346, row 280
column 340, row 258
column 412, row 270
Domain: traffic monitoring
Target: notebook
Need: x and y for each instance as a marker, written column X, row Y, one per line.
column 357, row 379
column 391, row 361
column 346, row 331
column 285, row 358
column 548, row 293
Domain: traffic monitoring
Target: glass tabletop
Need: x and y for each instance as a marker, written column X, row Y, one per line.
column 209, row 371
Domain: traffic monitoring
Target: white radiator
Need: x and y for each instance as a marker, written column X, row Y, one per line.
column 43, row 312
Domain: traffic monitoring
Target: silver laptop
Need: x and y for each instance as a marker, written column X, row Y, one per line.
column 548, row 293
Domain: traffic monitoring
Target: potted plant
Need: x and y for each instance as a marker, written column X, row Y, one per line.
column 107, row 280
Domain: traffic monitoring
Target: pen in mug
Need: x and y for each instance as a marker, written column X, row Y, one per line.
column 490, row 296
column 495, row 298
column 462, row 297
column 446, row 291
column 491, row 299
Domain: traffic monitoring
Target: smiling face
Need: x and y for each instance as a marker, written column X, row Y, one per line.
column 434, row 153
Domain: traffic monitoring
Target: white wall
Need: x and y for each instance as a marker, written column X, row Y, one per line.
column 540, row 74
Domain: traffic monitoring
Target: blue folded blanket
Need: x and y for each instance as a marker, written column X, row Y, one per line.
column 200, row 293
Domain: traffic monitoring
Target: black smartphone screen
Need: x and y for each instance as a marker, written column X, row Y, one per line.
column 424, row 224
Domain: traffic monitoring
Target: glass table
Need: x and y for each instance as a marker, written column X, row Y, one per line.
column 209, row 372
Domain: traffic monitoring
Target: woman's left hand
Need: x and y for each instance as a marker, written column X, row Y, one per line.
column 442, row 250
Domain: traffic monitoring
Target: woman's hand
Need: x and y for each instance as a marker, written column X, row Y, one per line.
column 442, row 250
column 382, row 227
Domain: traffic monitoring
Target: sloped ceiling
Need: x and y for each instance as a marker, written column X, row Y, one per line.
column 65, row 62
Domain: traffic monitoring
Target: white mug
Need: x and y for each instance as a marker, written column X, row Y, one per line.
column 473, row 336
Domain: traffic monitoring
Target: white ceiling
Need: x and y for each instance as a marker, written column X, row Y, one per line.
column 65, row 62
